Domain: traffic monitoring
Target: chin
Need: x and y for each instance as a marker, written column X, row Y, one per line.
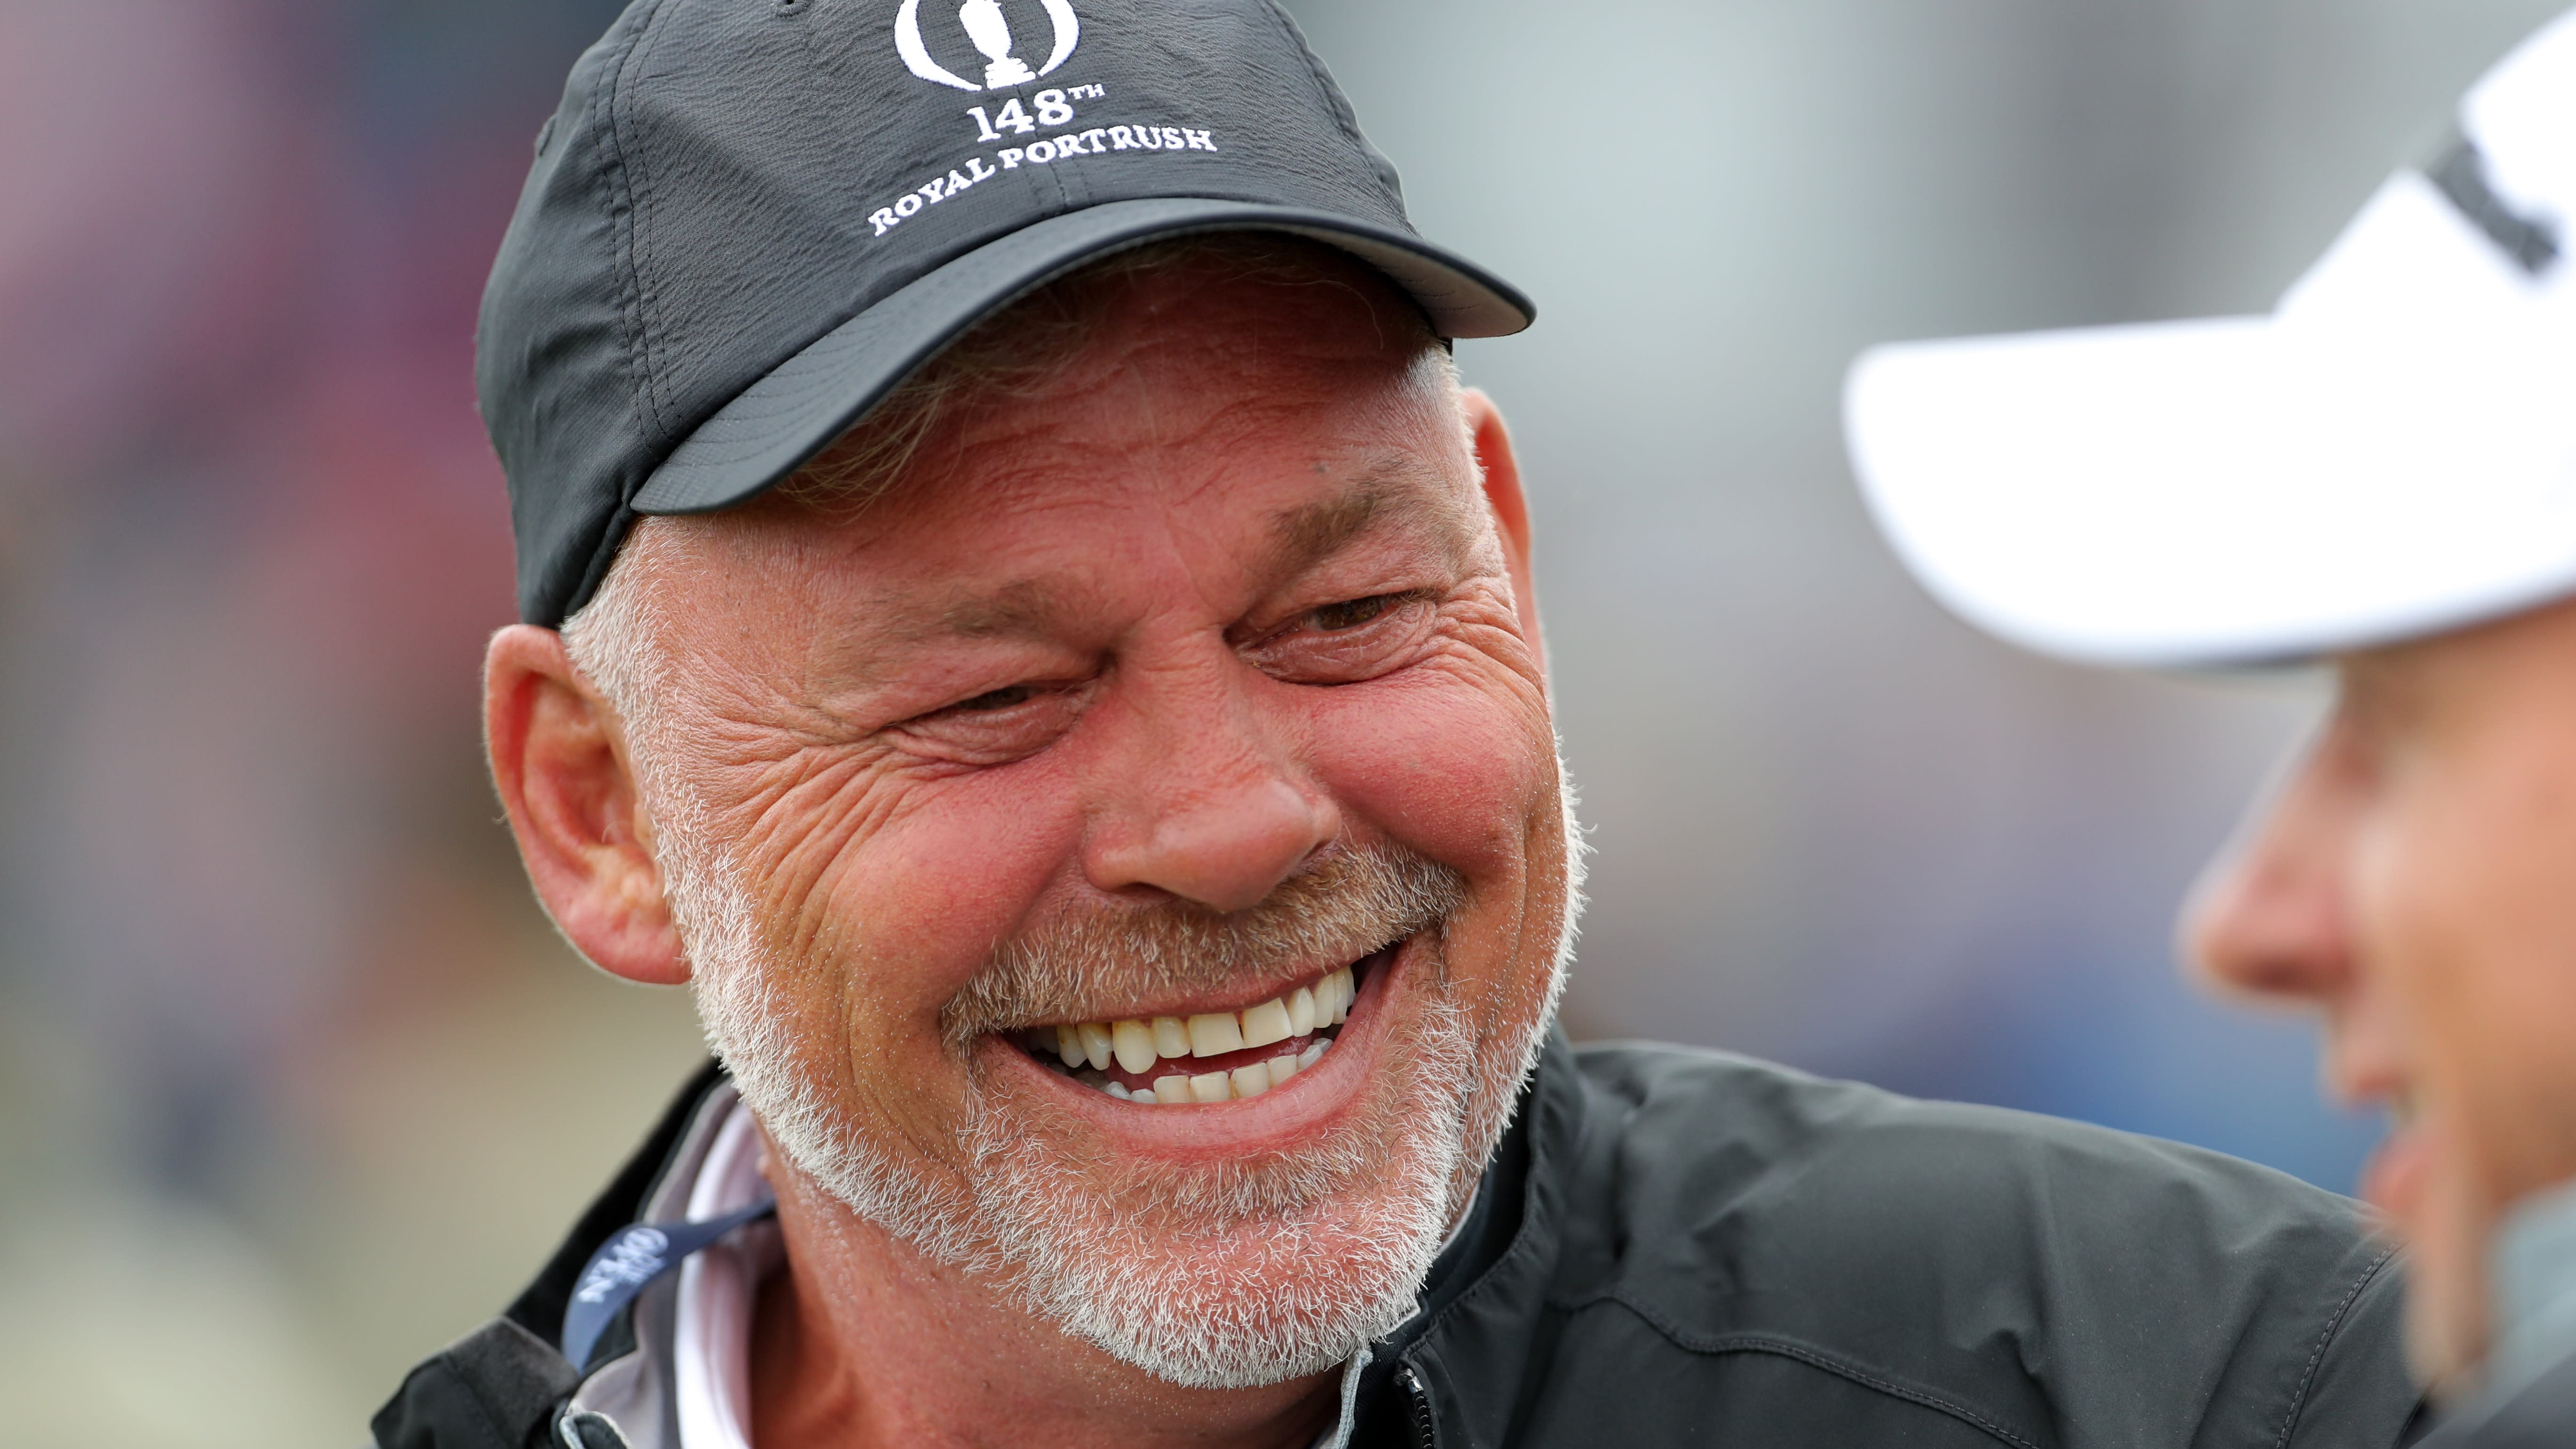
column 1260, row 1300
column 2419, row 1179
column 1212, row 1266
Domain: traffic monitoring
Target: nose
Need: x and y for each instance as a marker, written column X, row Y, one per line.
column 1201, row 795
column 2268, row 918
column 2275, row 918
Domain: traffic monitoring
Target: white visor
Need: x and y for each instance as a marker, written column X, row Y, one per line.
column 2392, row 451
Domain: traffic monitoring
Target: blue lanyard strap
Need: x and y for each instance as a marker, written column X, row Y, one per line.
column 628, row 1262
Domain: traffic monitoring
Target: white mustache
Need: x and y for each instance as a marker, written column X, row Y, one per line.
column 1345, row 905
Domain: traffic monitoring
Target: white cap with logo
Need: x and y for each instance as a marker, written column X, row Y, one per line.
column 2391, row 451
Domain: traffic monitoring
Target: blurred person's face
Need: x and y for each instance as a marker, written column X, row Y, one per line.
column 2414, row 881
column 1180, row 685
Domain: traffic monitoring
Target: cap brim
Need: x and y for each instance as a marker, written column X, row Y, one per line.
column 2231, row 491
column 780, row 422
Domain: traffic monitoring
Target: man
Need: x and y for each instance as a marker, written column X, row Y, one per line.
column 1022, row 618
column 2381, row 474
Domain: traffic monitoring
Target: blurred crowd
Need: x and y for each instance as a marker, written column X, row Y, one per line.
column 265, row 942
column 283, row 1041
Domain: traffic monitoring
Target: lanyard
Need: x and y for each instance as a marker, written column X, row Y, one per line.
column 630, row 1260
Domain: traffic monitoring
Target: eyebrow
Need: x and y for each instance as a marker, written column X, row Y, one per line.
column 1025, row 606
column 1394, row 490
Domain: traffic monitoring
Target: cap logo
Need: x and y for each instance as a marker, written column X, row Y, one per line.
column 2461, row 175
column 990, row 30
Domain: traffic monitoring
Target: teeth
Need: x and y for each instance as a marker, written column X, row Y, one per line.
column 1138, row 1044
column 1232, row 1086
column 1215, row 1034
column 1133, row 1044
column 1095, row 1044
column 1266, row 1023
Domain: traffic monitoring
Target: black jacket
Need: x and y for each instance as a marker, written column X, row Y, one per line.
column 1695, row 1248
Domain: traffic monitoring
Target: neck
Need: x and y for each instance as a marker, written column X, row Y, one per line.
column 865, row 1341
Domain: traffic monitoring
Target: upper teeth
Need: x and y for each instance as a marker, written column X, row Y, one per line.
column 1137, row 1043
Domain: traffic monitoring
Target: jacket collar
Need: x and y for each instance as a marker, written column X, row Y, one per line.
column 1487, row 1331
column 1482, row 1313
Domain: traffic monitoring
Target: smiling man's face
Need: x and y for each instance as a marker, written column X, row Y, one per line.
column 1128, row 857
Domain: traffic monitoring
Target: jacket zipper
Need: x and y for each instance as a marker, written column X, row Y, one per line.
column 1419, row 1398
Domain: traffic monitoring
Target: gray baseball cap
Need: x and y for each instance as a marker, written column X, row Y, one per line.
column 750, row 219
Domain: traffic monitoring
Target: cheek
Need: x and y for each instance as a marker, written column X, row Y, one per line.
column 2404, row 928
column 919, row 900
column 1462, row 771
column 1440, row 762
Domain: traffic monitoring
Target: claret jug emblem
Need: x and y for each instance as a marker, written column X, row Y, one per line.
column 989, row 30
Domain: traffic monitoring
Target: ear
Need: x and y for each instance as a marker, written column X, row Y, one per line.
column 559, row 759
column 1492, row 442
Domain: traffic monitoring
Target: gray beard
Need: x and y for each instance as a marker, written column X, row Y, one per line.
column 1230, row 1275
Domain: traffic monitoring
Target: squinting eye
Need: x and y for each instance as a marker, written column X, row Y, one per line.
column 1348, row 642
column 1350, row 613
column 995, row 727
column 993, row 699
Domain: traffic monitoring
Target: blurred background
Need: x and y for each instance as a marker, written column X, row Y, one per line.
column 295, row 1082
